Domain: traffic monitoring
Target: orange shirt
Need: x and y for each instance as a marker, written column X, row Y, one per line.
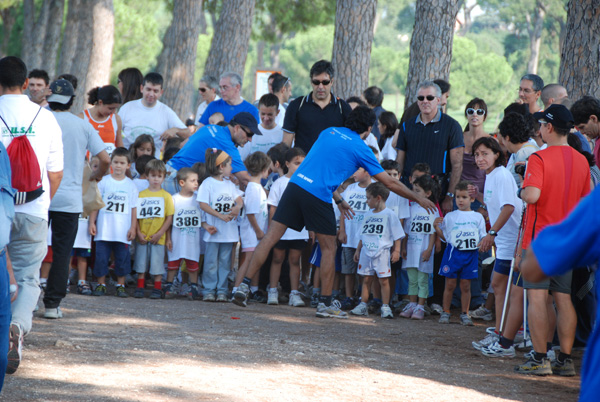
column 563, row 176
column 107, row 129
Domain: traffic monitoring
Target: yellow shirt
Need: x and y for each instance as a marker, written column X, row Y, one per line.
column 152, row 210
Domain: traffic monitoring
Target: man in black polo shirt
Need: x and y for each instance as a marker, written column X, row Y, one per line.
column 308, row 116
column 433, row 138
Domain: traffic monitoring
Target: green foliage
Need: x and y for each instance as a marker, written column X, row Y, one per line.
column 482, row 75
column 388, row 69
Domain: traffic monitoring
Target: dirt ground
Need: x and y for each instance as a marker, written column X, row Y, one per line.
column 111, row 349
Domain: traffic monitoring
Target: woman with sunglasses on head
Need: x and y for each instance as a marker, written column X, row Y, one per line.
column 476, row 113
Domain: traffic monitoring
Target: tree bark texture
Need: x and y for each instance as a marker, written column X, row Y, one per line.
column 229, row 47
column 431, row 44
column 580, row 56
column 177, row 60
column 98, row 72
column 34, row 31
column 83, row 20
column 8, row 21
column 354, row 23
column 69, row 43
column 534, row 30
column 56, row 12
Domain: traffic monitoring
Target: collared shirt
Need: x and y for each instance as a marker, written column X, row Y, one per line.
column 228, row 111
column 7, row 203
column 437, row 118
column 306, row 119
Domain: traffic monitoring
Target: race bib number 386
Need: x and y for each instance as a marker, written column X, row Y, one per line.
column 151, row 207
column 187, row 218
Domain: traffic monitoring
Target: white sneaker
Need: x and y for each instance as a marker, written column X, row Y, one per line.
column 361, row 309
column 273, row 298
column 485, row 342
column 551, row 354
column 495, row 350
column 481, row 313
column 386, row 312
column 332, row 311
column 296, row 300
column 53, row 313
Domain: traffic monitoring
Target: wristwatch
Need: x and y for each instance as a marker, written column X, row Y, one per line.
column 449, row 194
column 338, row 202
column 493, row 233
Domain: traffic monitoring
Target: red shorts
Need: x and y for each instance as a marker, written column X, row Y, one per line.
column 48, row 257
column 192, row 266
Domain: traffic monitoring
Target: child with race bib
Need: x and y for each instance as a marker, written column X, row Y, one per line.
column 155, row 216
column 255, row 215
column 143, row 145
column 114, row 226
column 291, row 240
column 417, row 248
column 183, row 240
column 380, row 234
column 462, row 229
column 103, row 115
column 221, row 201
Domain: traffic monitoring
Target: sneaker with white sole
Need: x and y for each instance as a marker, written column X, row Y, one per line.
column 240, row 297
column 418, row 313
column 444, row 318
column 332, row 311
column 273, row 298
column 222, row 298
column 550, row 354
column 53, row 313
column 565, row 369
column 481, row 313
column 15, row 348
column 495, row 350
column 485, row 342
column 408, row 310
column 361, row 309
column 386, row 312
column 296, row 300
column 466, row 320
column 437, row 309
column 535, row 367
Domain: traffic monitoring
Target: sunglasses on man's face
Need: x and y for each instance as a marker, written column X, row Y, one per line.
column 324, row 82
column 471, row 111
column 202, row 89
column 421, row 98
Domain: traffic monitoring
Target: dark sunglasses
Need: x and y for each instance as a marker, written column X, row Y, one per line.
column 471, row 111
column 202, row 90
column 422, row 98
column 248, row 132
column 324, row 82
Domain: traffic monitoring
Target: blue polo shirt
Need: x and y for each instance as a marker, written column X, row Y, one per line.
column 207, row 137
column 575, row 242
column 334, row 157
column 228, row 111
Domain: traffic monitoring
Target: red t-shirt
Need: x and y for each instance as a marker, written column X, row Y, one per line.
column 563, row 176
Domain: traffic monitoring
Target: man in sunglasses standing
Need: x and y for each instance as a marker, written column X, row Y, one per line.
column 308, row 116
column 434, row 138
column 209, row 91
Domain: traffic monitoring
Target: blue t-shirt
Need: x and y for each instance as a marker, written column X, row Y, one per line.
column 207, row 137
column 228, row 111
column 335, row 156
column 575, row 242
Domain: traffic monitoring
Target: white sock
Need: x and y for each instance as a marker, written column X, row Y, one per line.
column 234, row 289
column 43, row 280
column 272, row 290
column 81, row 283
column 254, row 289
column 294, row 292
column 362, row 303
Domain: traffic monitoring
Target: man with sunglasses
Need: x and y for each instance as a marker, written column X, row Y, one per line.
column 209, row 91
column 434, row 138
column 231, row 102
column 238, row 132
column 308, row 116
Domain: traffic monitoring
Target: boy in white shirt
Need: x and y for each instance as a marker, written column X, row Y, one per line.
column 114, row 226
column 272, row 133
column 381, row 232
column 183, row 240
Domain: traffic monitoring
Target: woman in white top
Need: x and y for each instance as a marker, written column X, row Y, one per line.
column 388, row 127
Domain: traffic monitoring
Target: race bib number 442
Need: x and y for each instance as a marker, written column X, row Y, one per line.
column 151, row 207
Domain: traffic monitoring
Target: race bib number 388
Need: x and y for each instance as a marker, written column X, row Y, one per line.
column 151, row 207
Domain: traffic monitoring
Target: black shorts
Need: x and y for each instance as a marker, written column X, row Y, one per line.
column 298, row 208
column 291, row 244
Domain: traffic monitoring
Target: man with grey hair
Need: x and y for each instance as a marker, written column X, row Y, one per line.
column 530, row 89
column 434, row 138
column 209, row 91
column 231, row 102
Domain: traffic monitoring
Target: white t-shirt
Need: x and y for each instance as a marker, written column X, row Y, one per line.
column 185, row 232
column 522, row 155
column 280, row 117
column 221, row 196
column 418, row 238
column 201, row 108
column 84, row 238
column 463, row 229
column 372, row 140
column 399, row 205
column 255, row 202
column 500, row 189
column 114, row 220
column 275, row 194
column 45, row 137
column 356, row 197
column 388, row 151
column 141, row 184
column 264, row 142
column 138, row 119
column 379, row 231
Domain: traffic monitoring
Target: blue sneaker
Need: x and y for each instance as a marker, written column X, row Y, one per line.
column 348, row 304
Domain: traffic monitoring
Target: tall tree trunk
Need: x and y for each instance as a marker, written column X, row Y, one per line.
column 202, row 23
column 354, row 22
column 580, row 56
column 534, row 29
column 83, row 14
column 56, row 12
column 431, row 44
column 33, row 33
column 103, row 32
column 69, row 42
column 229, row 47
column 8, row 16
column 177, row 60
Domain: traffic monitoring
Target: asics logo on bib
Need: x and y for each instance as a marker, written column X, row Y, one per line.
column 421, row 218
column 149, row 202
column 224, row 198
column 186, row 212
column 116, row 197
column 460, row 234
